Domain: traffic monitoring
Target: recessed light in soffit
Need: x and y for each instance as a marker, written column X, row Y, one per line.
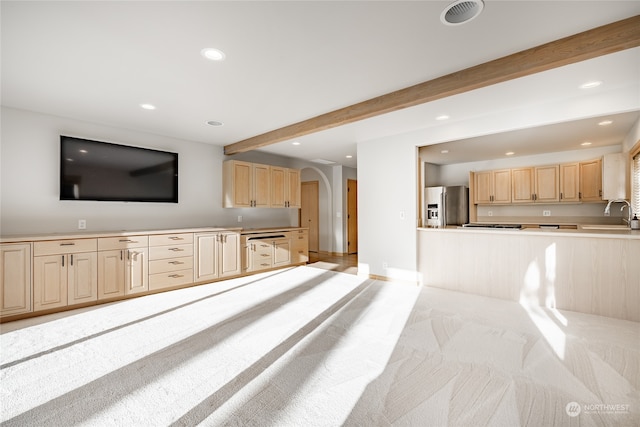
column 461, row 11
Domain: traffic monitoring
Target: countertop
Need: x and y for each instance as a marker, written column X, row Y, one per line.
column 579, row 232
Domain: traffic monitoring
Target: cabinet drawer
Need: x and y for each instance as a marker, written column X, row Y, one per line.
column 122, row 242
column 171, row 264
column 175, row 251
column 170, row 239
column 71, row 246
column 166, row 280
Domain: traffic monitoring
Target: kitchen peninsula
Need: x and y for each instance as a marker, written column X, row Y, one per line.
column 594, row 271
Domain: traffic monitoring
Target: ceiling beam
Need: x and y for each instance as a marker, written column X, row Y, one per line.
column 620, row 35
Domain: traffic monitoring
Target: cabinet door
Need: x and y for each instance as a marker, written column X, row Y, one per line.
column 237, row 184
column 570, row 182
column 293, row 188
column 206, row 265
column 229, row 257
column 137, row 271
column 111, row 265
column 261, row 186
column 281, row 252
column 15, row 279
column 591, row 181
column 299, row 247
column 82, row 278
column 49, row 281
column 522, row 185
column 502, row 186
column 546, row 184
column 278, row 187
column 483, row 188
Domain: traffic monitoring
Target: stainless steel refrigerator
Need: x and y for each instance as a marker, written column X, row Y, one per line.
column 446, row 206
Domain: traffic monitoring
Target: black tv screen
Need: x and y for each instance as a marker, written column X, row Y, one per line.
column 94, row 170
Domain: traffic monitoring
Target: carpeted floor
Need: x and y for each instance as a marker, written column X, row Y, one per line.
column 311, row 347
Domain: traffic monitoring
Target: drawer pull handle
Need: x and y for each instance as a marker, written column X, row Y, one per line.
column 176, row 262
column 176, row 238
column 67, row 244
column 176, row 249
column 127, row 241
column 264, row 265
column 265, row 255
column 175, row 276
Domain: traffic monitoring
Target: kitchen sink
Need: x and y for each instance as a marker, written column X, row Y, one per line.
column 604, row 227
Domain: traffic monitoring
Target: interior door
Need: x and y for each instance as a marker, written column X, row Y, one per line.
column 352, row 216
column 309, row 212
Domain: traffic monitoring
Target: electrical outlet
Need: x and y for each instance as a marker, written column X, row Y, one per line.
column 546, row 213
column 82, row 224
column 385, row 265
column 490, row 213
column 239, row 218
column 401, row 214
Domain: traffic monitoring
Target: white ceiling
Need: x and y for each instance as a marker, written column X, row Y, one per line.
column 285, row 62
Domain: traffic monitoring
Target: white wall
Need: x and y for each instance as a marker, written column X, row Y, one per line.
column 29, row 168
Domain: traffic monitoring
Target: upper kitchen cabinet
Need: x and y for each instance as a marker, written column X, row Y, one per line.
column 252, row 185
column 535, row 185
column 245, row 185
column 570, row 182
column 492, row 187
column 591, row 181
column 285, row 187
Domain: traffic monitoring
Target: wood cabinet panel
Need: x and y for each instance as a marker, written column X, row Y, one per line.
column 546, row 184
column 591, row 181
column 15, row 279
column 522, row 187
column 570, row 182
column 137, row 271
column 111, row 276
column 49, row 282
column 493, row 187
column 122, row 242
column 247, row 184
column 69, row 246
column 82, row 278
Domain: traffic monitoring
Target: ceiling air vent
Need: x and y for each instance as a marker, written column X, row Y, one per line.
column 461, row 11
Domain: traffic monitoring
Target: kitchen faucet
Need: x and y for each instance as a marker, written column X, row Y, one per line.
column 626, row 205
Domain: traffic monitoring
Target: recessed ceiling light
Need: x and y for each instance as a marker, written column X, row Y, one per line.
column 295, row 143
column 213, row 54
column 584, row 144
column 461, row 11
column 214, row 123
column 509, row 153
column 442, row 117
column 590, row 85
column 605, row 123
column 444, row 151
column 349, row 156
column 148, row 106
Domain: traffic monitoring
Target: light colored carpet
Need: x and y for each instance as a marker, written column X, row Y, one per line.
column 310, row 347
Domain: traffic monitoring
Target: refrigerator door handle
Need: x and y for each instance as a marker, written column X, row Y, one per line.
column 443, row 209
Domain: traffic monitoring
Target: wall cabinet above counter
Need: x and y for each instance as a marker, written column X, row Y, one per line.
column 577, row 182
column 254, row 185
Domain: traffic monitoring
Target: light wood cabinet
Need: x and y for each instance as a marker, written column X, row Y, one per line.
column 15, row 279
column 123, row 266
column 299, row 246
column 170, row 260
column 285, row 187
column 493, row 187
column 64, row 273
column 591, row 181
column 570, row 182
column 245, row 185
column 216, row 255
column 535, row 185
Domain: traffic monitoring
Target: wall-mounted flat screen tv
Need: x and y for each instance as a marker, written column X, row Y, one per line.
column 94, row 170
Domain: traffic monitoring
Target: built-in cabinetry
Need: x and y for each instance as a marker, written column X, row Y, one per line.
column 170, row 260
column 15, row 278
column 123, row 266
column 216, row 255
column 64, row 273
column 493, row 187
column 255, row 185
column 570, row 182
column 40, row 273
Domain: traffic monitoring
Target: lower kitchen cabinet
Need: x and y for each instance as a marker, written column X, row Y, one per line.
column 299, row 246
column 123, row 266
column 216, row 255
column 170, row 260
column 15, row 278
column 64, row 273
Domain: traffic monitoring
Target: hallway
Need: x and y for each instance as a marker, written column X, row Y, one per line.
column 343, row 264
